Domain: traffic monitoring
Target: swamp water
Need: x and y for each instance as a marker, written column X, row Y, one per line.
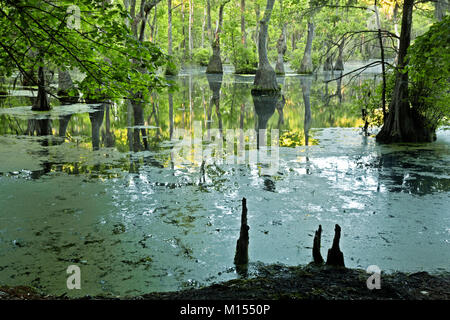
column 104, row 187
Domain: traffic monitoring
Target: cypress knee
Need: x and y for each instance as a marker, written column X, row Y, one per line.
column 241, row 257
column 335, row 256
column 317, row 257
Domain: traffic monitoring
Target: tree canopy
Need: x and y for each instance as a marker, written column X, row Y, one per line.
column 91, row 36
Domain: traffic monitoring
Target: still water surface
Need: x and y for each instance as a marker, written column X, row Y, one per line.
column 107, row 187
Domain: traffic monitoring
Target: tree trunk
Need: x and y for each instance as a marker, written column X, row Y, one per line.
column 170, row 70
column 265, row 78
column 203, row 27
column 403, row 124
column 440, row 9
column 258, row 17
column 383, row 71
column 339, row 65
column 215, row 62
column 328, row 65
column 281, row 48
column 307, row 65
column 244, row 35
column 191, row 23
column 41, row 103
column 395, row 18
column 169, row 28
column 293, row 40
column 183, row 30
column 65, row 84
column 208, row 21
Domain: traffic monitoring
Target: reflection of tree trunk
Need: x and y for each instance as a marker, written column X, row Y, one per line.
column 306, row 89
column 63, row 124
column 171, row 115
column 191, row 103
column 265, row 78
column 280, row 105
column 138, row 115
column 265, row 106
column 404, row 124
column 39, row 127
column 96, row 122
column 307, row 65
column 109, row 140
column 215, row 84
column 155, row 114
column 339, row 87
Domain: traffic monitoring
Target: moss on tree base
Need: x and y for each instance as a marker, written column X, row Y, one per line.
column 245, row 71
column 265, row 91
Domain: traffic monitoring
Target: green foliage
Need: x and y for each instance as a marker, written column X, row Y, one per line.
column 429, row 73
column 295, row 58
column 245, row 60
column 201, row 56
column 38, row 33
column 316, row 59
column 369, row 97
column 171, row 67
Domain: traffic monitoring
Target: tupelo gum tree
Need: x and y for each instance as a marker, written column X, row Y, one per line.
column 405, row 123
column 265, row 78
column 215, row 62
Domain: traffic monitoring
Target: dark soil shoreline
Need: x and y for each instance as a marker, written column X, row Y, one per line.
column 279, row 282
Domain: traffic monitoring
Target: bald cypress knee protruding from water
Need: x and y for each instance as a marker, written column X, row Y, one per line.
column 335, row 256
column 317, row 257
column 241, row 257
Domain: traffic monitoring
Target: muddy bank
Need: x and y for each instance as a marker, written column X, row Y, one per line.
column 275, row 282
